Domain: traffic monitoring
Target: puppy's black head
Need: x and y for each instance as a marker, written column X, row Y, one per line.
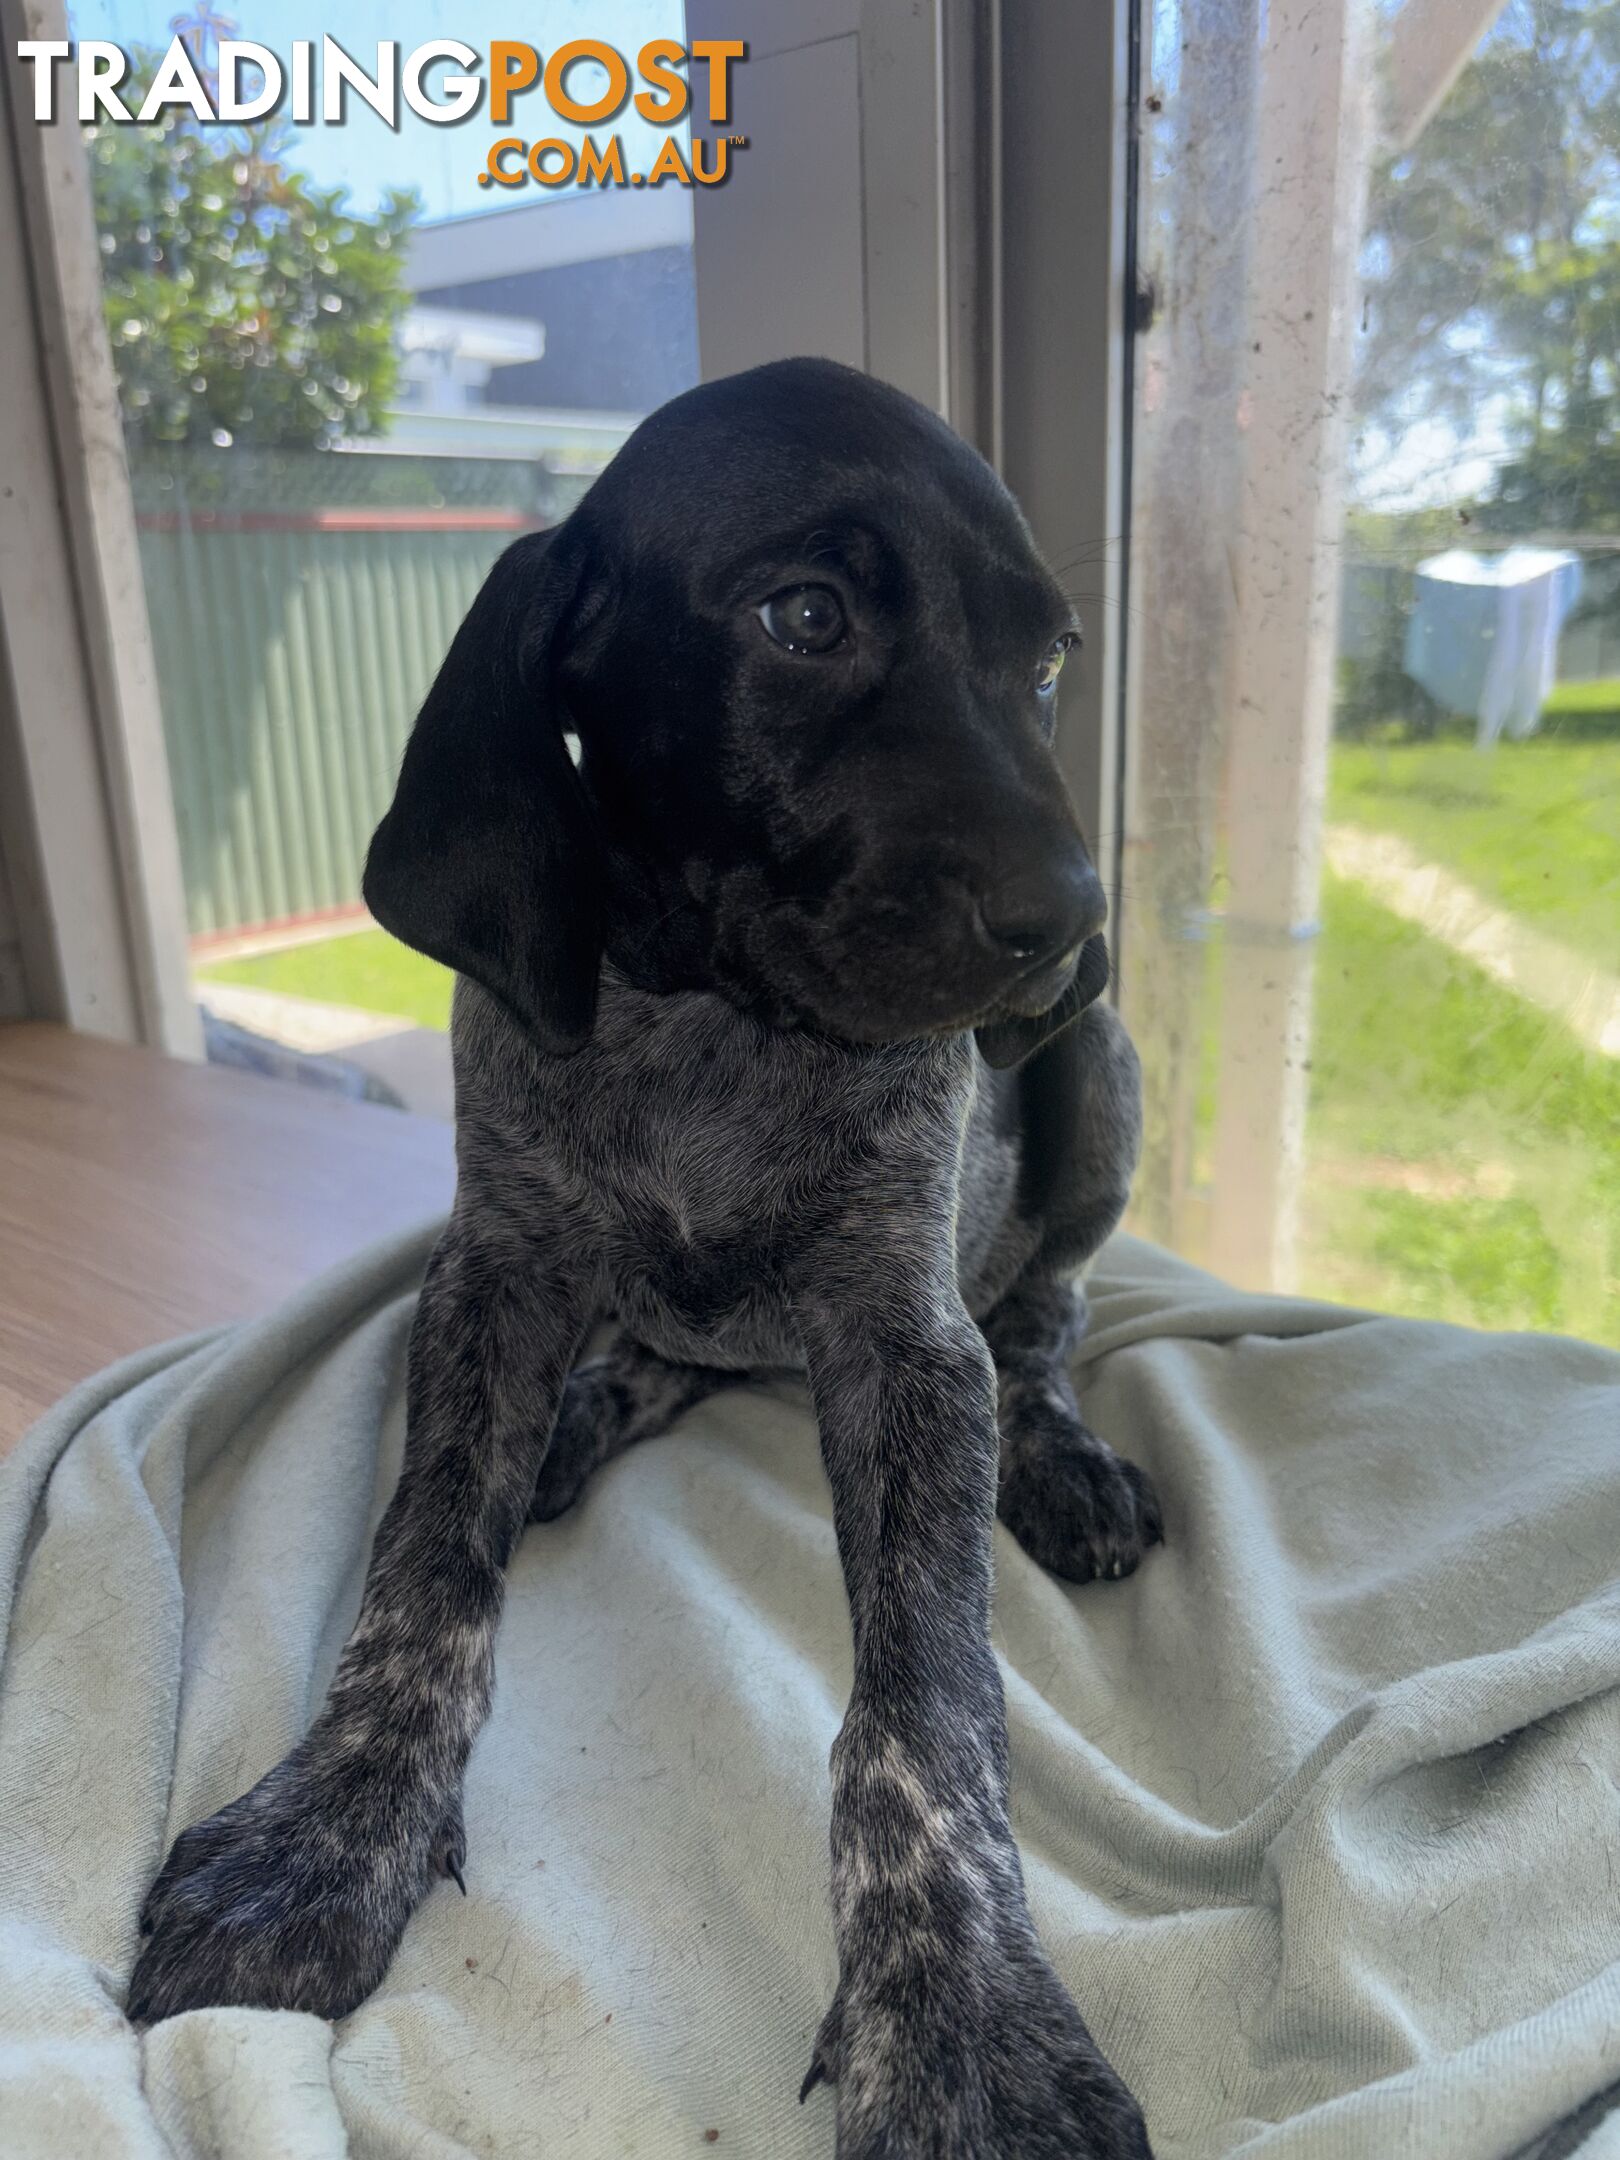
column 809, row 652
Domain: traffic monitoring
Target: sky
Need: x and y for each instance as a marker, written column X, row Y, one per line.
column 364, row 154
column 1429, row 463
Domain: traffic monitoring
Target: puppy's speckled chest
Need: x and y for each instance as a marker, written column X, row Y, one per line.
column 700, row 1154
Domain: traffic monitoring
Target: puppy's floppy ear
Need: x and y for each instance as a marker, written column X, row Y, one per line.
column 1014, row 1041
column 488, row 858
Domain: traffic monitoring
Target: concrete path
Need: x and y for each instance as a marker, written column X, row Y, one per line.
column 414, row 1061
column 1529, row 963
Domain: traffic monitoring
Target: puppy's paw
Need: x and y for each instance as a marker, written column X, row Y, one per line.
column 1073, row 1504
column 1007, row 2073
column 288, row 1899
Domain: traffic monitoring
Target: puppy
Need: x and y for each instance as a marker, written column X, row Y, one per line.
column 778, row 1042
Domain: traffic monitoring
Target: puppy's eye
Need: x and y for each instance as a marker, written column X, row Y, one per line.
column 1051, row 666
column 805, row 618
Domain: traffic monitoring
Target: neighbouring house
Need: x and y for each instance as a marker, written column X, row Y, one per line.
column 546, row 330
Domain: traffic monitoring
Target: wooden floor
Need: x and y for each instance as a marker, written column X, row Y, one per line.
column 141, row 1197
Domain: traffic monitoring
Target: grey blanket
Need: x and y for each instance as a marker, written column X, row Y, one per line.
column 1320, row 1812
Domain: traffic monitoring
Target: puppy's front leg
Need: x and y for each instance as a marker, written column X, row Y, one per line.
column 295, row 1896
column 950, row 2036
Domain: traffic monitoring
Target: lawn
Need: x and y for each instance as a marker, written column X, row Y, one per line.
column 1464, row 1149
column 367, row 968
column 1602, row 698
column 1535, row 826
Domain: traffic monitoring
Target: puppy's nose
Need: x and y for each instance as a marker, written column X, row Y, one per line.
column 1037, row 914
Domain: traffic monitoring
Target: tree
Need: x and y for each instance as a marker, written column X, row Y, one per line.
column 244, row 304
column 1493, row 266
column 1566, row 477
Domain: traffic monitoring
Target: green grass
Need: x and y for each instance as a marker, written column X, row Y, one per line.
column 1584, row 697
column 367, row 968
column 1464, row 1147
column 1492, row 1259
column 1534, row 826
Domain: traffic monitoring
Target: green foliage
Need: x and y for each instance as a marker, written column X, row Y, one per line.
column 1403, row 537
column 243, row 303
column 1568, row 477
column 1493, row 265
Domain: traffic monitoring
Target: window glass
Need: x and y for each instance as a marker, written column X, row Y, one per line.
column 351, row 371
column 1371, row 934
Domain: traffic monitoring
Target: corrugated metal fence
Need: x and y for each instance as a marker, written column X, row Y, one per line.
column 293, row 649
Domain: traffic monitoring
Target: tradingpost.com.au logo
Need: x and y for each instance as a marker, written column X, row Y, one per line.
column 444, row 82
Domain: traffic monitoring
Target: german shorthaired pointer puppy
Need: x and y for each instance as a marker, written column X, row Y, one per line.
column 778, row 1043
